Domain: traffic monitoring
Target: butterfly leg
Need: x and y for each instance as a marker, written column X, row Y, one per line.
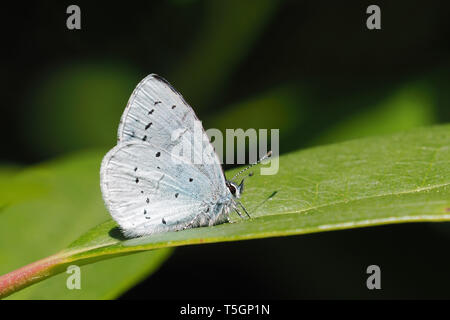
column 239, row 213
column 245, row 210
column 189, row 225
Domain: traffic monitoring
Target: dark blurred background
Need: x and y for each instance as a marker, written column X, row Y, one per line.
column 310, row 68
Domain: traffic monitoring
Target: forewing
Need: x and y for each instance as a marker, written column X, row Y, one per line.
column 157, row 114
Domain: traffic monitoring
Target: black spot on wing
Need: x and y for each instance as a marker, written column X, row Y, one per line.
column 148, row 125
column 147, row 200
column 151, row 111
column 157, row 102
column 176, row 195
column 190, row 179
column 158, row 154
column 173, row 107
column 137, row 180
column 163, row 221
column 144, row 138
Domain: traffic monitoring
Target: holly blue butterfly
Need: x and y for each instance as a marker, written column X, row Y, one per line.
column 143, row 188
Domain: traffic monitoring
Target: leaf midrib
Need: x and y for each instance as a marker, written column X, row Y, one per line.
column 359, row 199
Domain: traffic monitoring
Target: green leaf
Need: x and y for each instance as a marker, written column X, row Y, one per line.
column 372, row 181
column 43, row 209
column 106, row 279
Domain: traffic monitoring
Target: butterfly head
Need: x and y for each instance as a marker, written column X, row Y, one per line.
column 235, row 190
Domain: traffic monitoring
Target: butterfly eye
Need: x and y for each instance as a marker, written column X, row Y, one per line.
column 232, row 189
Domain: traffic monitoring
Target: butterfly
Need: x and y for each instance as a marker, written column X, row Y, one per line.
column 145, row 190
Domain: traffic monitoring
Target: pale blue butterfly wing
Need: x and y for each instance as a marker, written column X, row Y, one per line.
column 144, row 189
column 155, row 111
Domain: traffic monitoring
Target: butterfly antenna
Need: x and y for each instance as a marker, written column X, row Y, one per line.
column 268, row 154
